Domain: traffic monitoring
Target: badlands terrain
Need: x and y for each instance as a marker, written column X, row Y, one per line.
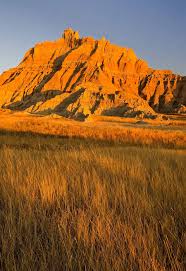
column 92, row 160
column 106, row 87
column 79, row 77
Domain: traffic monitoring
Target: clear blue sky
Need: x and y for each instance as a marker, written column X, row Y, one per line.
column 155, row 29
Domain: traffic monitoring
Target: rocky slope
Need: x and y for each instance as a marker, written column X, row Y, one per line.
column 77, row 77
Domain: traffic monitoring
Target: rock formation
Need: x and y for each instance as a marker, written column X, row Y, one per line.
column 77, row 77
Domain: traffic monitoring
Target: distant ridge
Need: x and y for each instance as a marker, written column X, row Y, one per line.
column 78, row 77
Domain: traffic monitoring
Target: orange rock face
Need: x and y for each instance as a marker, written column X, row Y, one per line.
column 77, row 77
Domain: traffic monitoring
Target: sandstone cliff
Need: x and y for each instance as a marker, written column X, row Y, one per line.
column 77, row 77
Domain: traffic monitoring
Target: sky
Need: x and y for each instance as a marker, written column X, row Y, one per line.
column 155, row 29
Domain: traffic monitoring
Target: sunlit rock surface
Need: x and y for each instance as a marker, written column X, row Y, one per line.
column 77, row 77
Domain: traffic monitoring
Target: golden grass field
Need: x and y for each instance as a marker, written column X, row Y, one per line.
column 171, row 133
column 88, row 199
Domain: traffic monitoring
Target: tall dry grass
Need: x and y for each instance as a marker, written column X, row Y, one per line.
column 157, row 133
column 88, row 206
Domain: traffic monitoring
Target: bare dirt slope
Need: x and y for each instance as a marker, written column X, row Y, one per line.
column 79, row 77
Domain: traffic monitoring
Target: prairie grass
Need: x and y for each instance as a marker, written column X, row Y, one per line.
column 102, row 128
column 71, row 204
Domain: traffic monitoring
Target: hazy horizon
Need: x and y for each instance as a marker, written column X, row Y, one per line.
column 154, row 29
